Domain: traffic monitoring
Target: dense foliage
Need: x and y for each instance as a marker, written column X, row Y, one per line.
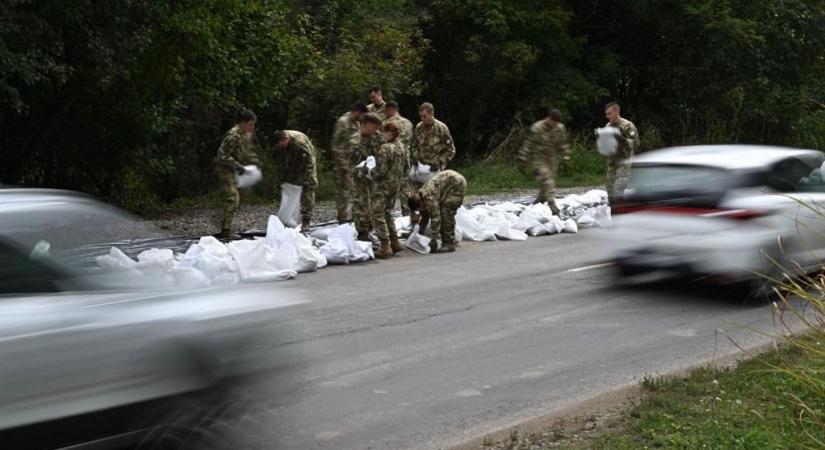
column 128, row 99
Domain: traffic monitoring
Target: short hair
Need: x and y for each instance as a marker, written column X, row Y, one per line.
column 392, row 128
column 613, row 105
column 427, row 106
column 392, row 104
column 246, row 116
column 279, row 135
column 371, row 117
column 413, row 202
column 554, row 114
column 359, row 107
column 374, row 89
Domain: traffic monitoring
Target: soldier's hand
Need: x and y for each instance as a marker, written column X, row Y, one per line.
column 240, row 169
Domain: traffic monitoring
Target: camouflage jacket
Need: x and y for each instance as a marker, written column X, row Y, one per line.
column 378, row 109
column 628, row 139
column 445, row 189
column 390, row 161
column 236, row 150
column 296, row 163
column 544, row 144
column 345, row 127
column 406, row 128
column 361, row 146
column 433, row 145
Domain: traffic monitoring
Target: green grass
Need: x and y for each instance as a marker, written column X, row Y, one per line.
column 586, row 168
column 750, row 407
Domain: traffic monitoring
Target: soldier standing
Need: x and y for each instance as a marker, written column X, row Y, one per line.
column 438, row 201
column 385, row 180
column 431, row 145
column 618, row 174
column 236, row 150
column 545, row 143
column 345, row 128
column 378, row 106
column 364, row 144
column 405, row 138
column 295, row 164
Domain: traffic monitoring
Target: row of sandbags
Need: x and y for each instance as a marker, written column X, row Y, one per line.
column 284, row 252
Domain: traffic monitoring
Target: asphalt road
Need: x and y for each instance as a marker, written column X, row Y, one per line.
column 430, row 351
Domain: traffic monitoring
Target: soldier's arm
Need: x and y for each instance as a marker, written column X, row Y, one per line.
column 382, row 163
column 449, row 148
column 310, row 176
column 229, row 150
column 414, row 147
column 434, row 209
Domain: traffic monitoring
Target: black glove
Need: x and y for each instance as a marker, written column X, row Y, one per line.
column 435, row 167
column 239, row 169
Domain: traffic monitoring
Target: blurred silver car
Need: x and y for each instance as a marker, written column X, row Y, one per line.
column 734, row 214
column 76, row 343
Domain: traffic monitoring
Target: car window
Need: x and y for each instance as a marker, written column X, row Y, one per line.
column 20, row 274
column 789, row 175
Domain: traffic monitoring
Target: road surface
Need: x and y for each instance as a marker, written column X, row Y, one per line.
column 429, row 351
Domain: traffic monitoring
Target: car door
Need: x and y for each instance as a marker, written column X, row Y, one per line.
column 794, row 180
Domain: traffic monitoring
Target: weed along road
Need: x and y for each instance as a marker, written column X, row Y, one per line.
column 430, row 351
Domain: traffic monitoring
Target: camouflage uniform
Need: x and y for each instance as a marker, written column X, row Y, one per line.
column 385, row 180
column 362, row 146
column 441, row 197
column 378, row 110
column 545, row 145
column 433, row 145
column 296, row 165
column 345, row 128
column 618, row 174
column 235, row 151
column 405, row 137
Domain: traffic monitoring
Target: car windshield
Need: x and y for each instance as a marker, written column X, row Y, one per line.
column 677, row 184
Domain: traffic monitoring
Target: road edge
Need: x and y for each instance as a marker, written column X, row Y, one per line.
column 608, row 401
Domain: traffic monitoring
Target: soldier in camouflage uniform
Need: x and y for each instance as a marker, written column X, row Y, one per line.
column 618, row 174
column 295, row 164
column 405, row 137
column 385, row 180
column 438, row 201
column 431, row 145
column 363, row 144
column 545, row 144
column 378, row 106
column 236, row 150
column 345, row 128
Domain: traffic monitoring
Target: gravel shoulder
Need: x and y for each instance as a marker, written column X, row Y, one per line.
column 201, row 221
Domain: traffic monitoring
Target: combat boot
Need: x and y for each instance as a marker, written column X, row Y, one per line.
column 395, row 244
column 305, row 226
column 227, row 234
column 385, row 251
column 448, row 248
column 364, row 236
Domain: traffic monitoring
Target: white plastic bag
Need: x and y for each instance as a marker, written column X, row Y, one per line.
column 371, row 162
column 606, row 140
column 471, row 230
column 418, row 242
column 189, row 278
column 116, row 261
column 570, row 226
column 249, row 178
column 421, row 173
column 290, row 209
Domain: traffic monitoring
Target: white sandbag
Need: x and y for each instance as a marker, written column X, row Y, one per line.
column 606, row 140
column 503, row 228
column 603, row 216
column 309, row 258
column 322, row 234
column 418, row 242
column 212, row 257
column 471, row 229
column 116, row 261
column 189, row 277
column 290, row 210
column 342, row 248
column 421, row 173
column 403, row 226
column 251, row 176
column 586, row 220
column 510, row 207
column 156, row 258
column 570, row 226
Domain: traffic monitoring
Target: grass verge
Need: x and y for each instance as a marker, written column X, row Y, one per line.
column 760, row 404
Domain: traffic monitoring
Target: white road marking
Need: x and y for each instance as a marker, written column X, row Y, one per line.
column 594, row 266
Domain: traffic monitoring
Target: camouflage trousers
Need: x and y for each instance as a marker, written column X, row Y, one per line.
column 361, row 204
column 618, row 177
column 343, row 182
column 404, row 189
column 447, row 212
column 382, row 202
column 546, row 178
column 231, row 198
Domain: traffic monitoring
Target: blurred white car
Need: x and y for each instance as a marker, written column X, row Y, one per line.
column 729, row 213
column 82, row 353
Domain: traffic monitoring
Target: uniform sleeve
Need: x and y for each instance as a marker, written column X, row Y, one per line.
column 382, row 163
column 229, row 150
column 630, row 137
column 448, row 153
column 340, row 138
column 414, row 146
